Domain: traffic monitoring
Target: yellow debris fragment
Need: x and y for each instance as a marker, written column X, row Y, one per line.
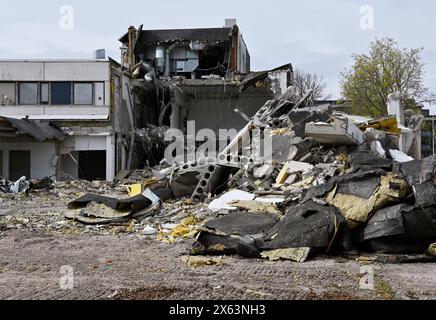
column 281, row 178
column 134, row 189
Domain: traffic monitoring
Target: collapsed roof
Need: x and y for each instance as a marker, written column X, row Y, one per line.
column 39, row 130
column 201, row 34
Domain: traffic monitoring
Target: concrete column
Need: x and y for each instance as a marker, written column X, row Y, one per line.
column 110, row 158
column 395, row 108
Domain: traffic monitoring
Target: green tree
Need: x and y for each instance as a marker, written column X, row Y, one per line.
column 386, row 69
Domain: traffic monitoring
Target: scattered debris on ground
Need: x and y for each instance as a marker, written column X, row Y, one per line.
column 334, row 185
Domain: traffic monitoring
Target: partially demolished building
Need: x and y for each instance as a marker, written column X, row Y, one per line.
column 61, row 118
column 330, row 183
column 187, row 75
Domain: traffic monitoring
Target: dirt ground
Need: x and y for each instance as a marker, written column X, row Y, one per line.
column 124, row 266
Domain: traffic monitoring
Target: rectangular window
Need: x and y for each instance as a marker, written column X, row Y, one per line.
column 83, row 93
column 28, row 93
column 7, row 93
column 60, row 93
column 44, row 93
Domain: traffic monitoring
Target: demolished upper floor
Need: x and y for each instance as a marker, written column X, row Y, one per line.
column 192, row 53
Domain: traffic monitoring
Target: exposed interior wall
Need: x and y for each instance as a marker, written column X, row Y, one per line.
column 68, row 165
column 213, row 108
column 42, row 158
column 243, row 56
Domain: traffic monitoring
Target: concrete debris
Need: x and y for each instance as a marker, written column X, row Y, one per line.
column 149, row 230
column 334, row 183
column 357, row 209
column 222, row 203
column 341, row 131
column 399, row 156
column 255, row 206
column 294, row 254
column 377, row 149
column 24, row 185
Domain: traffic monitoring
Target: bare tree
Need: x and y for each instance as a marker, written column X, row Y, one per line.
column 304, row 81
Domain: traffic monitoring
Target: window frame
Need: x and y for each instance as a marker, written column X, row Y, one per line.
column 92, row 93
column 48, row 93
column 19, row 93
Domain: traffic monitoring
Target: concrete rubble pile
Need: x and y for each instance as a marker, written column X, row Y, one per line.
column 336, row 184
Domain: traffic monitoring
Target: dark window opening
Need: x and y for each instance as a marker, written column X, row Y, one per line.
column 213, row 61
column 19, row 164
column 61, row 93
column 92, row 165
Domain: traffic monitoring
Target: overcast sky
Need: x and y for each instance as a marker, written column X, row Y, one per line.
column 314, row 35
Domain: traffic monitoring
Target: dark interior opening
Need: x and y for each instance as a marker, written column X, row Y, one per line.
column 212, row 61
column 19, row 164
column 92, row 165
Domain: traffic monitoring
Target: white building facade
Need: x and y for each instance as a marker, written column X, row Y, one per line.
column 77, row 96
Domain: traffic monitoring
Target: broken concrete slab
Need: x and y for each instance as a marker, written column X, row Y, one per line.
column 221, row 203
column 301, row 116
column 263, row 172
column 294, row 254
column 399, row 156
column 341, row 131
column 297, row 166
column 283, row 148
column 377, row 149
